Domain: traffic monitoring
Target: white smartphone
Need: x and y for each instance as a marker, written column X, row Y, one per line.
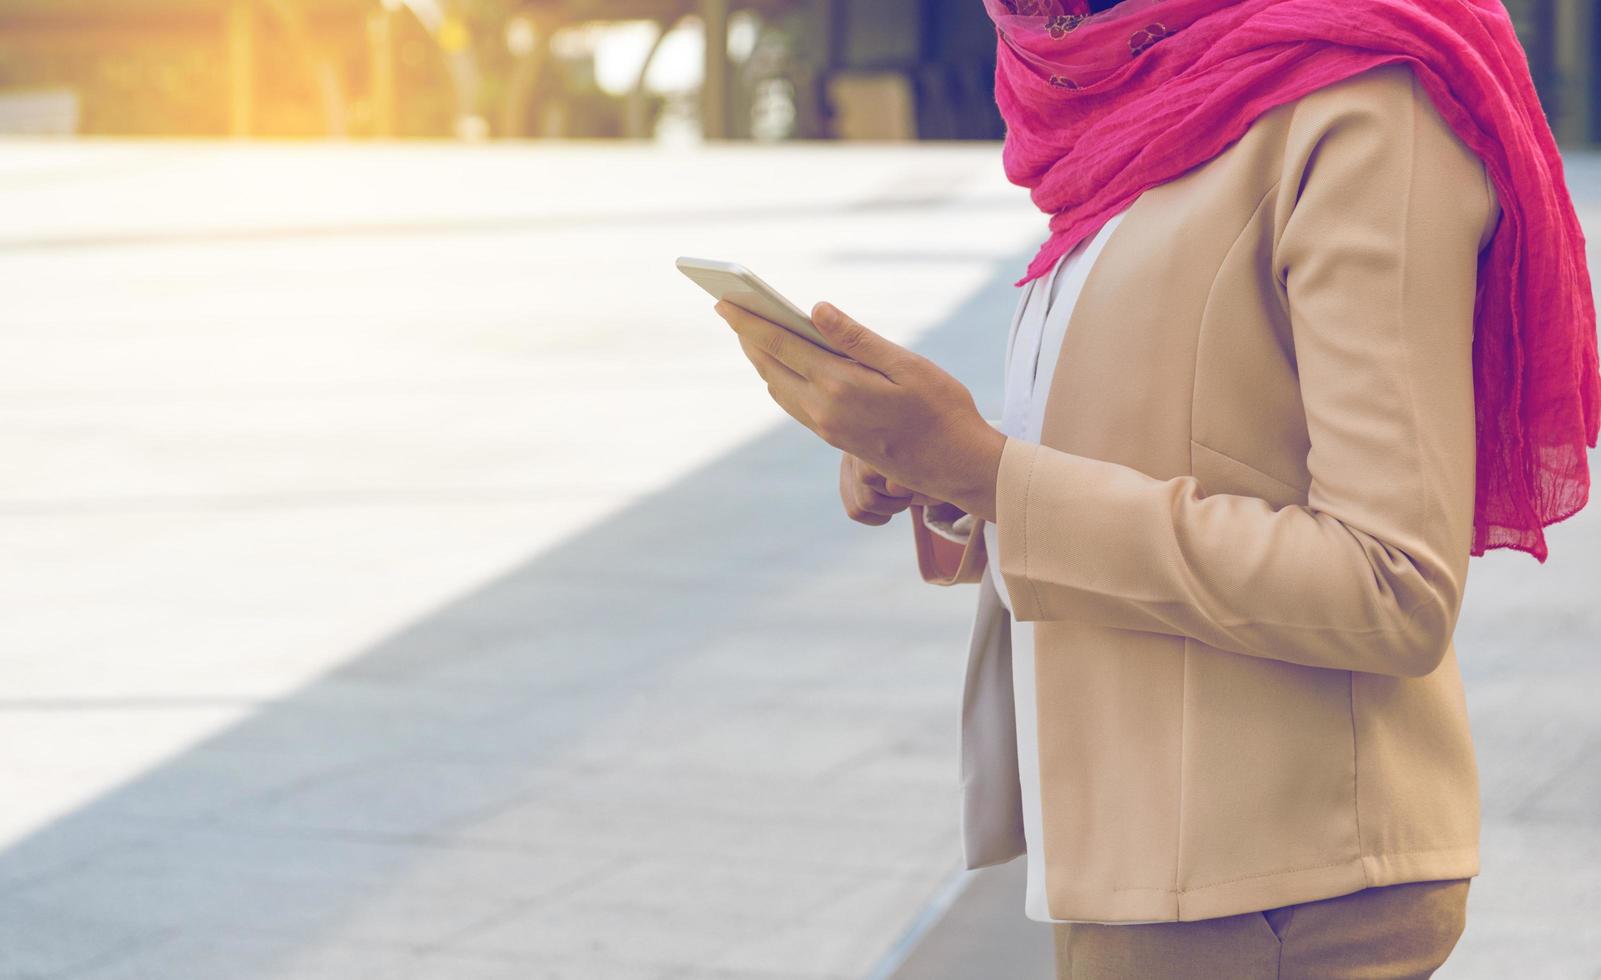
column 743, row 288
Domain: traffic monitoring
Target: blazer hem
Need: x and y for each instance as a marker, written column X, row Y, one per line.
column 1260, row 892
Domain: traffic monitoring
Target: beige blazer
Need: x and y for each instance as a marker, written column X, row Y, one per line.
column 1244, row 535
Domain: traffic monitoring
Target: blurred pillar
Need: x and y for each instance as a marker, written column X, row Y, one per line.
column 1575, row 70
column 455, row 40
column 241, row 36
column 381, row 65
column 714, row 84
column 1540, row 49
column 528, row 40
column 635, row 123
column 818, row 23
column 318, row 65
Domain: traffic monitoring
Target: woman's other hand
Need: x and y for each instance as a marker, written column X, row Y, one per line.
column 870, row 497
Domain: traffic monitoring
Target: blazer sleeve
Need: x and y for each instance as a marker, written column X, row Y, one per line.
column 1381, row 216
column 944, row 562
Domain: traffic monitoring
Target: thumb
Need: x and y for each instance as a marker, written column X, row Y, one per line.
column 856, row 341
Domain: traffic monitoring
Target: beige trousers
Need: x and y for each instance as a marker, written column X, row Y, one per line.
column 1393, row 932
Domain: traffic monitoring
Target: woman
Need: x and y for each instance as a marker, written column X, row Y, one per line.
column 1312, row 327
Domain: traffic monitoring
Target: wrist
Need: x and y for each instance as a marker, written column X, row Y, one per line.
column 980, row 467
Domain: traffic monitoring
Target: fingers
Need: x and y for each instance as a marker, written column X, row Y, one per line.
column 856, row 513
column 796, row 353
column 785, row 395
column 860, row 489
column 861, row 344
column 794, row 392
column 873, row 502
column 784, row 386
column 849, row 480
column 914, row 498
column 878, row 481
column 768, row 367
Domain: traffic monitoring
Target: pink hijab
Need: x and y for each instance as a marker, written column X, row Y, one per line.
column 1099, row 107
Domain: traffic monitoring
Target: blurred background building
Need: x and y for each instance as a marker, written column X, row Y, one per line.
column 865, row 69
column 871, row 69
column 775, row 69
column 500, row 68
column 868, row 69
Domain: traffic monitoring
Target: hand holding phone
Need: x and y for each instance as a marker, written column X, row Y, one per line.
column 738, row 285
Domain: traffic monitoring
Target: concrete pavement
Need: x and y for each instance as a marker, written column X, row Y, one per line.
column 409, row 578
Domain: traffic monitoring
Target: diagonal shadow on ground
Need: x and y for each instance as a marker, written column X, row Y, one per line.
column 526, row 742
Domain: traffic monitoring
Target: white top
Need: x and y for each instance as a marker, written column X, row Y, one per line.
column 1034, row 346
column 1032, row 350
